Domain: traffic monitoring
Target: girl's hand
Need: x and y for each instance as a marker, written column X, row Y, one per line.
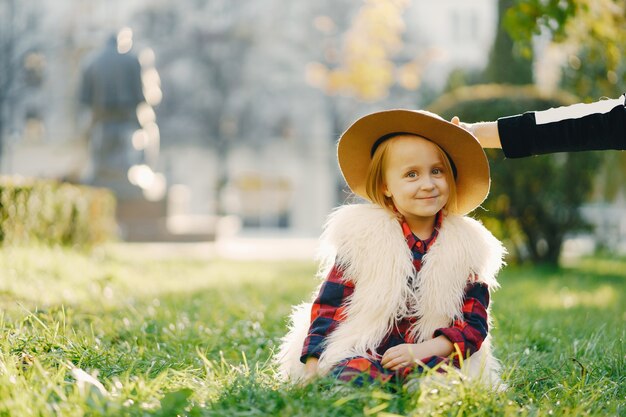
column 407, row 354
column 400, row 356
column 310, row 370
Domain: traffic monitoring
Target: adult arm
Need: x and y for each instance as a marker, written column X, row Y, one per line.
column 579, row 127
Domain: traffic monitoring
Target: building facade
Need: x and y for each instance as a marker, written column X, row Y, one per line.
column 241, row 129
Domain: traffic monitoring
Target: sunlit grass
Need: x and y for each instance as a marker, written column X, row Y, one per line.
column 192, row 337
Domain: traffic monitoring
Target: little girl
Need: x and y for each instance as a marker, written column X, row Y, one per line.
column 407, row 276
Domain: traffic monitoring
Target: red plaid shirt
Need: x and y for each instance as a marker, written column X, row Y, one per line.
column 467, row 333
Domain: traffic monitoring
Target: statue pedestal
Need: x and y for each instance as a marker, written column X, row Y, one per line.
column 141, row 220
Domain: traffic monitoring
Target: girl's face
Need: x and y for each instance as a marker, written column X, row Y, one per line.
column 414, row 178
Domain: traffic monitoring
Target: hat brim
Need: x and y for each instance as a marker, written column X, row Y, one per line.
column 354, row 147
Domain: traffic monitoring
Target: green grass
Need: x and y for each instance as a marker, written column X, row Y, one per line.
column 189, row 337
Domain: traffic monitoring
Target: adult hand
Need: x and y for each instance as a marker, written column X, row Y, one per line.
column 467, row 126
column 486, row 132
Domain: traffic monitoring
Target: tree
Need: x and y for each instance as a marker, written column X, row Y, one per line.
column 507, row 64
column 594, row 33
column 367, row 66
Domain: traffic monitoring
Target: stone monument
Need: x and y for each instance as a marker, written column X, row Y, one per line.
column 111, row 87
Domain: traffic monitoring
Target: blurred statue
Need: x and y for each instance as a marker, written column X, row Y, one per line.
column 111, row 86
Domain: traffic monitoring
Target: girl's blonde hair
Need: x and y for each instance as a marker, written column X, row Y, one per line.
column 375, row 180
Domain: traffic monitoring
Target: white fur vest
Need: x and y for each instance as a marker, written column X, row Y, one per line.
column 367, row 241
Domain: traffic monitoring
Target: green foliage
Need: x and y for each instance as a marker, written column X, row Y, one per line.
column 533, row 202
column 366, row 69
column 524, row 19
column 118, row 333
column 595, row 32
column 52, row 213
column 588, row 74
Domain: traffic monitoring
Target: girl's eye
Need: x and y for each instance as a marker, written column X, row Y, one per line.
column 437, row 171
column 411, row 174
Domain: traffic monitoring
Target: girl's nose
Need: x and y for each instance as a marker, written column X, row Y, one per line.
column 427, row 183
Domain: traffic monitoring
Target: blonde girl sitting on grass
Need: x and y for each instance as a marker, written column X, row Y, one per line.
column 407, row 276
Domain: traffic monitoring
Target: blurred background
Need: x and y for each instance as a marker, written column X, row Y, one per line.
column 218, row 119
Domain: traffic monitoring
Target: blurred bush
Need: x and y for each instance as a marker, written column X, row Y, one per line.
column 533, row 201
column 54, row 213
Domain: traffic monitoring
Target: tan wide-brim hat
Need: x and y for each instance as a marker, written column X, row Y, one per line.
column 355, row 147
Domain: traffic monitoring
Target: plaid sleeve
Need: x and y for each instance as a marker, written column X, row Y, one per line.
column 470, row 332
column 326, row 312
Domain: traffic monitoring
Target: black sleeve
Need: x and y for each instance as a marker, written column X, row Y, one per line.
column 521, row 136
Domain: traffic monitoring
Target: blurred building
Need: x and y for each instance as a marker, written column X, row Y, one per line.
column 454, row 34
column 241, row 131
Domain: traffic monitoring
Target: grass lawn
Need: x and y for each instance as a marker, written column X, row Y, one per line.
column 103, row 334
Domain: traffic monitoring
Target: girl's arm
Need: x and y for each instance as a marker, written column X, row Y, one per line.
column 326, row 313
column 579, row 127
column 468, row 333
column 464, row 337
